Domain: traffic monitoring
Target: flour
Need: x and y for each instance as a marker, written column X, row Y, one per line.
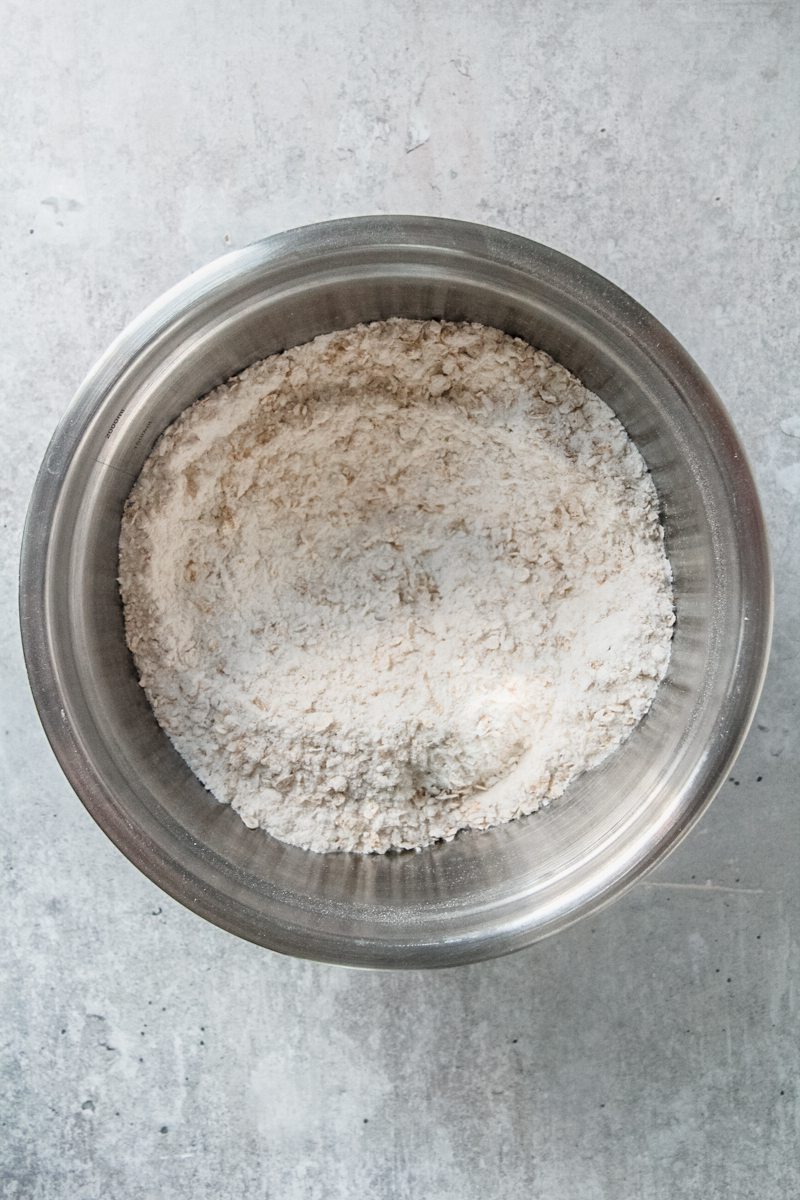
column 402, row 580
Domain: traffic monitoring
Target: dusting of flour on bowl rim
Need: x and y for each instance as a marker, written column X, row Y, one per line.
column 403, row 580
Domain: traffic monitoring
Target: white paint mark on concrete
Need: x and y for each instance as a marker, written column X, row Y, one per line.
column 789, row 478
column 418, row 134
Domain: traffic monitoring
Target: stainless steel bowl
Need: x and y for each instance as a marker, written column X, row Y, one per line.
column 485, row 893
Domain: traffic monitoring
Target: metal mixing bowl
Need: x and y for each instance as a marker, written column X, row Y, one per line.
column 485, row 893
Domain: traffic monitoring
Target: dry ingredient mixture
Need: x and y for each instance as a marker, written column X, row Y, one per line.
column 405, row 579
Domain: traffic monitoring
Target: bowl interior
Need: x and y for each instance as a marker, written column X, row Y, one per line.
column 487, row 892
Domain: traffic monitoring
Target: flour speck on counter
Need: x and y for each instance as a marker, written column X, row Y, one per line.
column 400, row 581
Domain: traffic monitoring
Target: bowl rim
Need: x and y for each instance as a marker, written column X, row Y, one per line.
column 383, row 231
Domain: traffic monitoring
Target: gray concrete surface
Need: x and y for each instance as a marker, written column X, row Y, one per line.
column 651, row 1052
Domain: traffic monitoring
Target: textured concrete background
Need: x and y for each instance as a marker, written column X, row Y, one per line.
column 652, row 1052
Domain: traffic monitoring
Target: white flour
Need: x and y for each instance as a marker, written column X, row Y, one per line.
column 399, row 581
